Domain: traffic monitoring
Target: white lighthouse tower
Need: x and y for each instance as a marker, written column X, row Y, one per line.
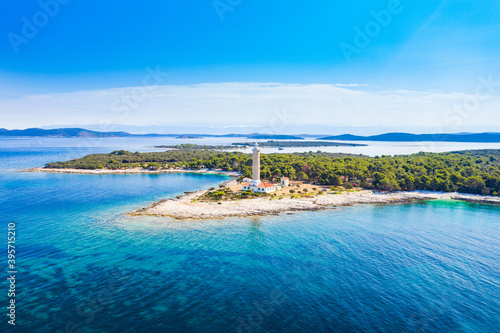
column 255, row 184
column 256, row 166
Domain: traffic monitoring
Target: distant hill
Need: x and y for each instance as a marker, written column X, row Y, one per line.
column 394, row 137
column 61, row 133
column 399, row 137
column 84, row 133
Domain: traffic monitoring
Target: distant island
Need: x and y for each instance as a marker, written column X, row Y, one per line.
column 274, row 136
column 268, row 144
column 295, row 144
column 190, row 146
column 84, row 133
column 186, row 136
column 389, row 137
column 407, row 137
column 61, row 133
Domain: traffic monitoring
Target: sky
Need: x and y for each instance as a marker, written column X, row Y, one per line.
column 273, row 65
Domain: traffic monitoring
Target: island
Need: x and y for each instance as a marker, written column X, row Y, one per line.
column 187, row 136
column 275, row 183
column 274, row 136
column 408, row 137
column 191, row 146
column 298, row 144
column 268, row 144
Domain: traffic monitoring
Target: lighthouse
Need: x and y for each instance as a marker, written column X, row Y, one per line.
column 256, row 166
column 255, row 184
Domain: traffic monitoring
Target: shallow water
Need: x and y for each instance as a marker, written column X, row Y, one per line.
column 82, row 264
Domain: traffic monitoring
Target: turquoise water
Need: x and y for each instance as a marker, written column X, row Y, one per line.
column 83, row 265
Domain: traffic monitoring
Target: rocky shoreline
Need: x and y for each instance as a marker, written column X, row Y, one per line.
column 183, row 207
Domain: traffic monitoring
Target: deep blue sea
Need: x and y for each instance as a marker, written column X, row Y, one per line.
column 84, row 266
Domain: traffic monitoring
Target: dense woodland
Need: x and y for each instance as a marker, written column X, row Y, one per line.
column 468, row 172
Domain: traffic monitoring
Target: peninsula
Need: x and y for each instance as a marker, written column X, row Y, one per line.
column 474, row 172
column 256, row 197
column 274, row 183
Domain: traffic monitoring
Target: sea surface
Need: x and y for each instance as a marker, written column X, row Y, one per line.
column 370, row 148
column 84, row 266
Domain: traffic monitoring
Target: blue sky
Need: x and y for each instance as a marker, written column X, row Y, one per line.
column 426, row 47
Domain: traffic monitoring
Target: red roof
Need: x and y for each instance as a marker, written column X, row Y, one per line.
column 264, row 184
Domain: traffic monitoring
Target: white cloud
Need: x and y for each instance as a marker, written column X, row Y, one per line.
column 248, row 104
column 351, row 85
